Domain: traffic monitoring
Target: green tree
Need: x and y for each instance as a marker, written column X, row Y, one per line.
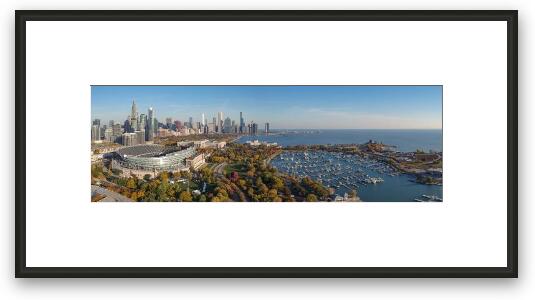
column 161, row 193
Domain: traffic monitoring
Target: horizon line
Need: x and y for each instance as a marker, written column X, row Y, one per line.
column 357, row 128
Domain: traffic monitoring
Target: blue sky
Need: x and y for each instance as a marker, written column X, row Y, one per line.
column 290, row 107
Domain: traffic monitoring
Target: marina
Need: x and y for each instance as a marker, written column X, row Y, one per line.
column 373, row 180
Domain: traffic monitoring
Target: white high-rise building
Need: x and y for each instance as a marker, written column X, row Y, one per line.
column 95, row 133
column 202, row 120
column 150, row 125
column 220, row 121
column 133, row 117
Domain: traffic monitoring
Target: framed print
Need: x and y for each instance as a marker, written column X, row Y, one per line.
column 266, row 144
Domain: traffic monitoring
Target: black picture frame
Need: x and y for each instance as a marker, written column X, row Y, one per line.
column 511, row 17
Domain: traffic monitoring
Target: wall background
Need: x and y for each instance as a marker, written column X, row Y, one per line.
column 522, row 288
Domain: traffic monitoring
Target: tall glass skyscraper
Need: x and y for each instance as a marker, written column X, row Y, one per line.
column 242, row 123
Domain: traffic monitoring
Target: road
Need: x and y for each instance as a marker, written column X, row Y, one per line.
column 220, row 169
column 110, row 195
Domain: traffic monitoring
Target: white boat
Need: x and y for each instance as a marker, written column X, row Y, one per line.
column 432, row 198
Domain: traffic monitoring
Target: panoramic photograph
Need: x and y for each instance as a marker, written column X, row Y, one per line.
column 266, row 143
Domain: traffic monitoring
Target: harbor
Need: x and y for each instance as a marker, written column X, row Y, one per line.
column 373, row 180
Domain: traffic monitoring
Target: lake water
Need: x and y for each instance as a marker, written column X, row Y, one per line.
column 398, row 188
column 404, row 140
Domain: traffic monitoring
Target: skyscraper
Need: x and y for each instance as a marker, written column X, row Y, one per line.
column 227, row 125
column 95, row 133
column 117, row 130
column 128, row 139
column 253, row 128
column 220, row 122
column 142, row 122
column 178, row 125
column 202, row 120
column 266, row 129
column 169, row 122
column 150, row 125
column 242, row 123
column 126, row 125
column 108, row 135
column 133, row 117
column 140, row 137
column 191, row 122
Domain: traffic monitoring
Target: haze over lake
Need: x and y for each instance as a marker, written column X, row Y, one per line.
column 405, row 140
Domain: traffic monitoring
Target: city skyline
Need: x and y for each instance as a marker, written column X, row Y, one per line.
column 284, row 107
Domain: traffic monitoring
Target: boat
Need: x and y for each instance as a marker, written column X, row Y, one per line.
column 432, row 198
column 373, row 180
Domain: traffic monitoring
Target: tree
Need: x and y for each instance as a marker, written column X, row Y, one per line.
column 263, row 189
column 161, row 192
column 312, row 198
column 147, row 177
column 164, row 177
column 185, row 174
column 185, row 196
column 131, row 183
column 234, row 176
column 96, row 171
column 116, row 171
column 140, row 195
column 242, row 183
column 259, row 181
column 278, row 183
column 273, row 196
column 250, row 193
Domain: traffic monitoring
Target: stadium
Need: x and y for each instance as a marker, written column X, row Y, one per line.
column 152, row 159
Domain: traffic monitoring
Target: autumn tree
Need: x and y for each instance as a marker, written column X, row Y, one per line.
column 131, row 183
column 185, row 196
column 311, row 198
